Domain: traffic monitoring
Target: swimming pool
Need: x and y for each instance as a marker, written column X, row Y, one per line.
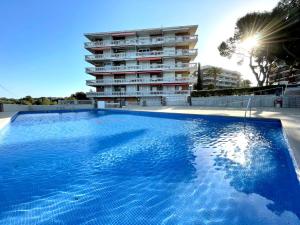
column 117, row 167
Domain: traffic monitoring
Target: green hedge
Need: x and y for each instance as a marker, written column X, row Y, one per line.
column 266, row 90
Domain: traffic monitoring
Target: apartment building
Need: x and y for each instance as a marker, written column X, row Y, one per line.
column 225, row 79
column 145, row 66
column 283, row 73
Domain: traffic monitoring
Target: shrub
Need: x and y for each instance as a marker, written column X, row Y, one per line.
column 266, row 90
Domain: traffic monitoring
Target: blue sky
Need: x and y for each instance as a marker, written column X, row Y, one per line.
column 41, row 42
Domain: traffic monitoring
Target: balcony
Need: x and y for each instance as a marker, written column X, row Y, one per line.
column 102, row 82
column 136, row 94
column 142, row 41
column 149, row 67
column 137, row 55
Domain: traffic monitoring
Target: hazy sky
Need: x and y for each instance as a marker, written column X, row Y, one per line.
column 41, row 42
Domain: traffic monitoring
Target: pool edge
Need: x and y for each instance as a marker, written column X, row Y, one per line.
column 291, row 152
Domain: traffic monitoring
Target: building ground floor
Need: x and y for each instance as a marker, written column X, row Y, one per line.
column 144, row 101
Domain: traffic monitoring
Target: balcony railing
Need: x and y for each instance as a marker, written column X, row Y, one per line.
column 135, row 55
column 101, row 82
column 124, row 68
column 142, row 41
column 136, row 93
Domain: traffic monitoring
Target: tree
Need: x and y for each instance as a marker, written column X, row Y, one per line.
column 214, row 72
column 211, row 86
column 289, row 50
column 79, row 96
column 46, row 101
column 274, row 37
column 199, row 84
column 247, row 30
column 245, row 83
column 27, row 100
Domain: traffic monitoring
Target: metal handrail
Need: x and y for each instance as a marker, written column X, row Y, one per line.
column 248, row 107
column 140, row 80
column 176, row 66
column 182, row 52
column 142, row 41
column 136, row 93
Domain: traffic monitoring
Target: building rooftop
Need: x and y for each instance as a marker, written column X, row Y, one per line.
column 190, row 28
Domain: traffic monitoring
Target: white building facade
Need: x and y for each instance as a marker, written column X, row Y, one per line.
column 226, row 79
column 144, row 66
column 283, row 74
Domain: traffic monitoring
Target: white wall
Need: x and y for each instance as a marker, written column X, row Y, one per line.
column 130, row 76
column 151, row 101
column 130, row 88
column 241, row 101
column 108, row 77
column 169, row 75
column 15, row 107
column 176, row 101
column 108, row 89
column 169, row 61
column 131, row 63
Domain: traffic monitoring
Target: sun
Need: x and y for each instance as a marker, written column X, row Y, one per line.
column 250, row 43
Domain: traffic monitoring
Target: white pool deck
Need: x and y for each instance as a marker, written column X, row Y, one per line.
column 290, row 118
column 5, row 118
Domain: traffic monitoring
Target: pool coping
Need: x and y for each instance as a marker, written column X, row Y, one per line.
column 291, row 149
column 4, row 122
column 291, row 152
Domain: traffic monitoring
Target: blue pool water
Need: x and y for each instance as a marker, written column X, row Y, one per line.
column 145, row 168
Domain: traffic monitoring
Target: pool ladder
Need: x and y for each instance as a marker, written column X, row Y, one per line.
column 248, row 108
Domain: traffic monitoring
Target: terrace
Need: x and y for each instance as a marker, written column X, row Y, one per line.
column 135, row 93
column 148, row 67
column 137, row 55
column 100, row 82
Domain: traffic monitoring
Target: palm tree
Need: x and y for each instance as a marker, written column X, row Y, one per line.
column 245, row 83
column 214, row 72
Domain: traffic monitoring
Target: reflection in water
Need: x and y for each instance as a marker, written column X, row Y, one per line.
column 237, row 150
column 254, row 162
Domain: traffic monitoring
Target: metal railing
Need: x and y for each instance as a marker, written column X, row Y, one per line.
column 75, row 102
column 135, row 93
column 177, row 66
column 134, row 55
column 142, row 41
column 248, row 107
column 139, row 81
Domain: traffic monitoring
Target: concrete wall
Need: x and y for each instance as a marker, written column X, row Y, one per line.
column 15, row 107
column 216, row 101
column 291, row 101
column 241, row 101
column 176, row 101
column 151, row 101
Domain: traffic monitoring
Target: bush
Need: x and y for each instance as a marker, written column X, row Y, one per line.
column 266, row 90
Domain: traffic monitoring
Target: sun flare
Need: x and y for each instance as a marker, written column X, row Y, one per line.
column 250, row 43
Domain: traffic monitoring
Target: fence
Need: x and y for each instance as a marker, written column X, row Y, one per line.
column 241, row 101
column 80, row 102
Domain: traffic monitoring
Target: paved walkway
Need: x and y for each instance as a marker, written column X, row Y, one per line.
column 5, row 118
column 290, row 119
